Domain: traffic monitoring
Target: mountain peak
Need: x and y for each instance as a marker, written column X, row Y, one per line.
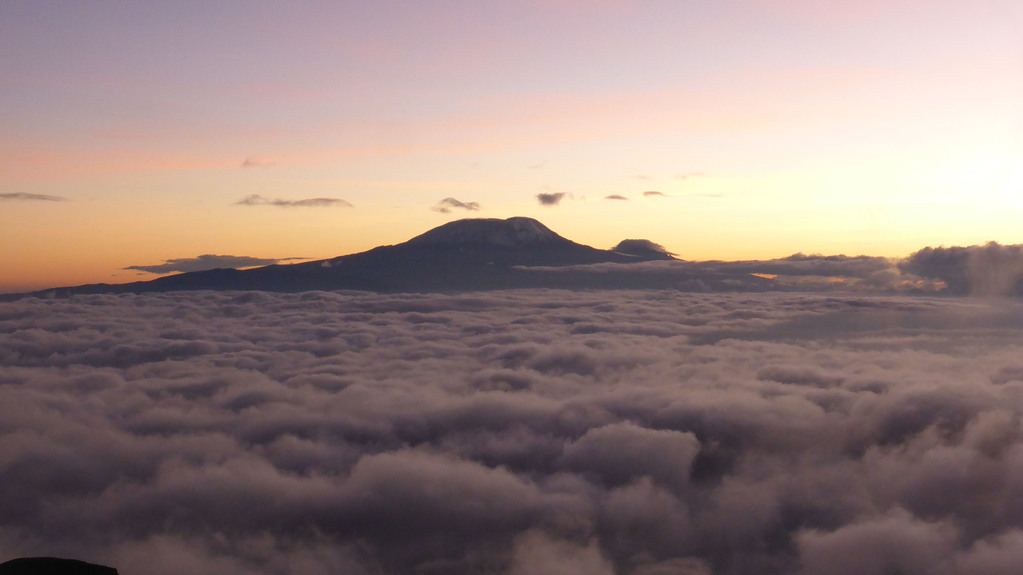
column 643, row 248
column 470, row 254
column 510, row 233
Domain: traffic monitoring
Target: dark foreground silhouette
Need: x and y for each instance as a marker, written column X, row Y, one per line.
column 53, row 566
column 476, row 254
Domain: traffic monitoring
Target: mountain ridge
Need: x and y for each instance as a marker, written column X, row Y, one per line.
column 511, row 232
column 466, row 254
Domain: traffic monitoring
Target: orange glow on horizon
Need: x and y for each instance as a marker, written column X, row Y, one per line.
column 869, row 128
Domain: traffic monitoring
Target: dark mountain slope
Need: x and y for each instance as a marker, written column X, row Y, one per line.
column 460, row 255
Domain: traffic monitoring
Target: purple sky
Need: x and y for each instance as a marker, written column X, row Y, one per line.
column 768, row 127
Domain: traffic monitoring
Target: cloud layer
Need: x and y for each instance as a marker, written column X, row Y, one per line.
column 207, row 262
column 513, row 432
column 257, row 200
column 798, row 272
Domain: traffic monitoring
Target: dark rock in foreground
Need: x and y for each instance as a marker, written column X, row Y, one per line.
column 53, row 566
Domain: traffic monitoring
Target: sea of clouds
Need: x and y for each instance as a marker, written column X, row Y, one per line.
column 518, row 432
column 990, row 270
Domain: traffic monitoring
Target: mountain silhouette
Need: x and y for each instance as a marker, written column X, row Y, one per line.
column 643, row 248
column 52, row 566
column 468, row 254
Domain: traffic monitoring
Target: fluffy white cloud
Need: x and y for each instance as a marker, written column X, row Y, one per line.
column 988, row 270
column 521, row 431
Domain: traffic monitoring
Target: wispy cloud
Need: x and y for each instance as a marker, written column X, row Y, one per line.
column 447, row 204
column 258, row 200
column 207, row 262
column 688, row 175
column 547, row 199
column 615, row 197
column 21, row 196
column 256, row 162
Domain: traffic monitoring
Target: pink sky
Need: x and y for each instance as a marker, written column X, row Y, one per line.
column 854, row 127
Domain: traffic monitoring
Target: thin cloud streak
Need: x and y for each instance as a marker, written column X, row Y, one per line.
column 24, row 197
column 207, row 262
column 256, row 162
column 689, row 175
column 258, row 200
column 447, row 204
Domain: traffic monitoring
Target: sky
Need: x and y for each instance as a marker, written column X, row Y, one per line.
column 136, row 133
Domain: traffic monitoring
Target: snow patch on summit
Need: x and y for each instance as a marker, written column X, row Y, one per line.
column 512, row 232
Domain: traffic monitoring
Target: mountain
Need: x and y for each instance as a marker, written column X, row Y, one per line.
column 489, row 233
column 643, row 248
column 467, row 254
